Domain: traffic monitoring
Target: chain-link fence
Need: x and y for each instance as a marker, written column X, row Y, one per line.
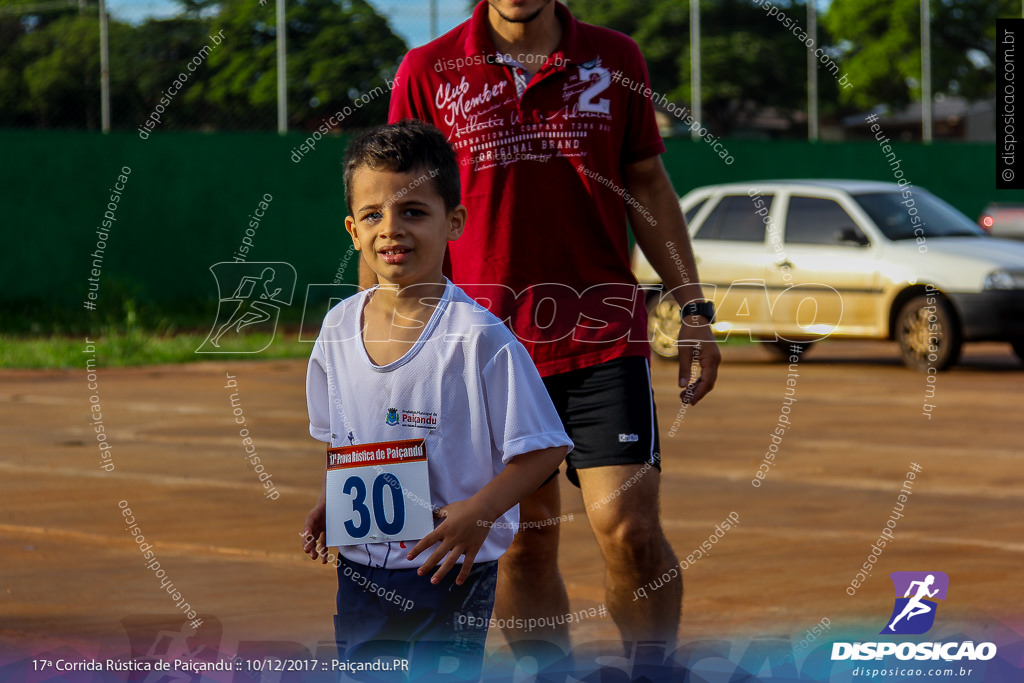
column 758, row 68
column 195, row 65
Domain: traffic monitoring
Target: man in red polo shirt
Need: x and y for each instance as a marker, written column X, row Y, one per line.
column 555, row 155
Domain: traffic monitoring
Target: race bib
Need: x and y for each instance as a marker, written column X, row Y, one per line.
column 378, row 492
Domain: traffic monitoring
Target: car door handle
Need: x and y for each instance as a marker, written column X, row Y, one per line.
column 784, row 264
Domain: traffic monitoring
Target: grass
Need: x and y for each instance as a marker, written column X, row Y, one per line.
column 128, row 342
column 120, row 349
column 136, row 347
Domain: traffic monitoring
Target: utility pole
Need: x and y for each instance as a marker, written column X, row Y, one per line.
column 282, row 69
column 695, row 103
column 926, row 71
column 812, row 73
column 104, row 68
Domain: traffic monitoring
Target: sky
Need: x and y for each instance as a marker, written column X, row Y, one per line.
column 408, row 18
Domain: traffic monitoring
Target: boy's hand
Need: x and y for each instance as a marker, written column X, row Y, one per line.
column 462, row 533
column 314, row 532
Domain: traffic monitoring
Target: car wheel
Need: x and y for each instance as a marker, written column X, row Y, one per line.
column 1018, row 347
column 928, row 334
column 782, row 349
column 663, row 325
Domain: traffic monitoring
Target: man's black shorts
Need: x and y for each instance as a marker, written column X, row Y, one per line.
column 608, row 412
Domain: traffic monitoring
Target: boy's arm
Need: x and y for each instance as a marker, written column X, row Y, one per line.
column 314, row 531
column 467, row 522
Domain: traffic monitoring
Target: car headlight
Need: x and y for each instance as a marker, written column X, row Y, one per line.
column 1004, row 279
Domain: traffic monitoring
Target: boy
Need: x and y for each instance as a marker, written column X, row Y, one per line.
column 416, row 359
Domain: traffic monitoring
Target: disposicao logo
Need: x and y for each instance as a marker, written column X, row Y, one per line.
column 914, row 614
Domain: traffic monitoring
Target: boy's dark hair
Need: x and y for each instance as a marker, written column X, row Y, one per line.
column 402, row 147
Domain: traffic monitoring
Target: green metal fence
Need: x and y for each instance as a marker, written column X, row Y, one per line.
column 190, row 198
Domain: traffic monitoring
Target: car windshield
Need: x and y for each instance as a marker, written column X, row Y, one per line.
column 898, row 217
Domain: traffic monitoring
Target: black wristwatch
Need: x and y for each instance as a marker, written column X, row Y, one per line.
column 704, row 308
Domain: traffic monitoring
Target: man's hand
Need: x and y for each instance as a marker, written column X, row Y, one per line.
column 666, row 244
column 462, row 533
column 697, row 346
column 314, row 532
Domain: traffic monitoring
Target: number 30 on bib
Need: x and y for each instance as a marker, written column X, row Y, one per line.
column 378, row 492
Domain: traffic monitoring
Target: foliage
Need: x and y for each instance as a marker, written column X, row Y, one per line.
column 50, row 74
column 337, row 50
column 880, row 42
column 749, row 61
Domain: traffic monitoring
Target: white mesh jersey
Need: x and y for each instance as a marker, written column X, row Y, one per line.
column 467, row 387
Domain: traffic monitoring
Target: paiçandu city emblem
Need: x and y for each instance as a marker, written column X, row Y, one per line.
column 392, row 419
column 914, row 612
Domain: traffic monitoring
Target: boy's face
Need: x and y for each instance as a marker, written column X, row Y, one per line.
column 400, row 225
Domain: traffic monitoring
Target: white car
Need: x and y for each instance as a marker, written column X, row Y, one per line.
column 795, row 261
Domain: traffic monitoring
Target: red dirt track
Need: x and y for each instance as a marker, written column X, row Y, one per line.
column 69, row 572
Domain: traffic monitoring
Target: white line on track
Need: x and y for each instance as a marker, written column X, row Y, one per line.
column 846, row 535
column 163, row 548
column 159, row 479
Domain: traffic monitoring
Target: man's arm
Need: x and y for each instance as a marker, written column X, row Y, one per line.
column 663, row 229
column 467, row 522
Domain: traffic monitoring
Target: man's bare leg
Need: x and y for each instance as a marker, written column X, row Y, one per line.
column 628, row 530
column 529, row 584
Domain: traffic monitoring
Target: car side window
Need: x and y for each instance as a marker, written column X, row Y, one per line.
column 693, row 212
column 735, row 219
column 813, row 220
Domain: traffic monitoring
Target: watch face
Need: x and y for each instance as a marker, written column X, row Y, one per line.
column 704, row 308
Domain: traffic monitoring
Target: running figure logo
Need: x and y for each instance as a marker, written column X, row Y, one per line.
column 258, row 290
column 914, row 613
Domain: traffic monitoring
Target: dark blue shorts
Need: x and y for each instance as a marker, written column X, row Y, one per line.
column 389, row 614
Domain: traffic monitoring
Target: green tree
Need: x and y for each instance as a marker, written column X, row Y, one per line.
column 50, row 67
column 749, row 61
column 880, row 42
column 161, row 49
column 59, row 80
column 15, row 56
column 337, row 51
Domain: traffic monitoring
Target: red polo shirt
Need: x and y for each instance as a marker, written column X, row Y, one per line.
column 545, row 246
